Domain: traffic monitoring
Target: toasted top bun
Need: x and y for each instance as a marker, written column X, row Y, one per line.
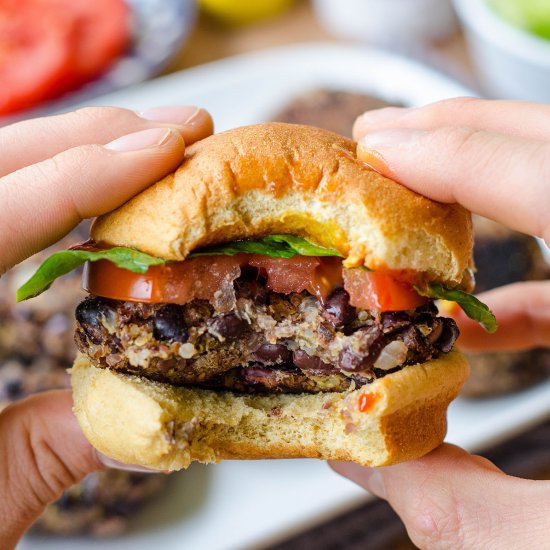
column 286, row 178
column 396, row 418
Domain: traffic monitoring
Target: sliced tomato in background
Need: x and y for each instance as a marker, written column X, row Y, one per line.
column 35, row 55
column 100, row 33
column 48, row 47
column 381, row 291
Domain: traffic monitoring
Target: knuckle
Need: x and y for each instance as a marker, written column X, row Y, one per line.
column 77, row 159
column 537, row 169
column 65, row 166
column 468, row 147
column 459, row 139
column 461, row 144
column 51, row 168
column 457, row 103
column 446, row 110
column 436, row 525
column 95, row 115
column 440, row 521
column 544, row 161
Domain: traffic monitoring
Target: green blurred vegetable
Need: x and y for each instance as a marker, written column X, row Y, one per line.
column 530, row 15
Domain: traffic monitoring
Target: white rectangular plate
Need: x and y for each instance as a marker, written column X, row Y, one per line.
column 244, row 504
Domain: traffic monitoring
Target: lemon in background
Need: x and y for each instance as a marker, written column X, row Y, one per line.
column 531, row 15
column 241, row 12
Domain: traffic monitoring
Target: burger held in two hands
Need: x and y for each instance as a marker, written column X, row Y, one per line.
column 273, row 297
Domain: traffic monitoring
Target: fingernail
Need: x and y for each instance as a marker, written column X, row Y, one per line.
column 141, row 140
column 400, row 137
column 184, row 114
column 110, row 463
column 381, row 116
column 373, row 160
column 369, row 478
column 372, row 148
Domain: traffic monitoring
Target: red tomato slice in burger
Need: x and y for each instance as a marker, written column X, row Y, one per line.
column 176, row 283
column 203, row 277
column 381, row 291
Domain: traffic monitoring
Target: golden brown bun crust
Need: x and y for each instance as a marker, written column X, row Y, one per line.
column 137, row 421
column 287, row 178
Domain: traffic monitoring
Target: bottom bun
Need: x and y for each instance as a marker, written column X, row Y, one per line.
column 133, row 420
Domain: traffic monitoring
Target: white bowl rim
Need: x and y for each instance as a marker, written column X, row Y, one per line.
column 478, row 15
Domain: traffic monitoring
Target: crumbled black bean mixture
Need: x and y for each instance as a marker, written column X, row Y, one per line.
column 268, row 343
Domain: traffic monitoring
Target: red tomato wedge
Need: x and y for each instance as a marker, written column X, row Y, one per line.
column 378, row 290
column 48, row 47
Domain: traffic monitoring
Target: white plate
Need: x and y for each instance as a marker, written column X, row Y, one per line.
column 238, row 505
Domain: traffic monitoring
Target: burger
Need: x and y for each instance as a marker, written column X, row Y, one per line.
column 271, row 298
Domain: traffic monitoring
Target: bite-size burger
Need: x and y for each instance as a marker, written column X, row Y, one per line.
column 273, row 297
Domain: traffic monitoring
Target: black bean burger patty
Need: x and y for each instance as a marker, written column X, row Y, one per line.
column 268, row 342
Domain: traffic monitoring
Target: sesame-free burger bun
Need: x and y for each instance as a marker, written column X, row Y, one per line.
column 285, row 178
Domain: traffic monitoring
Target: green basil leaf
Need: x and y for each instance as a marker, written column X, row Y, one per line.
column 472, row 307
column 66, row 261
column 275, row 246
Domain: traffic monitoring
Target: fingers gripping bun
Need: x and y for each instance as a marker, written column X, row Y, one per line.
column 285, row 178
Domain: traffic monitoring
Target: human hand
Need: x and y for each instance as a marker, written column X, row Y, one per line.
column 54, row 172
column 493, row 157
column 450, row 499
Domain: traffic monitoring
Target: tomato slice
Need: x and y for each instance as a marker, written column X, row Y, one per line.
column 100, row 33
column 381, row 291
column 203, row 277
column 35, row 55
column 176, row 283
column 48, row 47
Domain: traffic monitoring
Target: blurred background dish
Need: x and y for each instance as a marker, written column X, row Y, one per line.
column 401, row 25
column 243, row 12
column 530, row 15
column 335, row 110
column 511, row 54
